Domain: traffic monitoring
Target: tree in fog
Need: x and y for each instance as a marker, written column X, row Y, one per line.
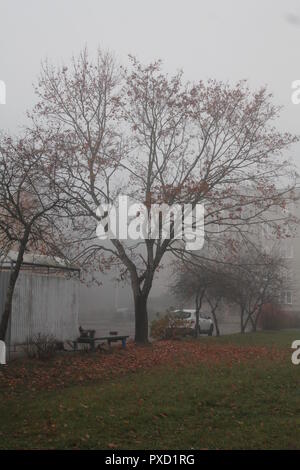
column 160, row 140
column 249, row 278
column 255, row 278
column 199, row 280
column 29, row 206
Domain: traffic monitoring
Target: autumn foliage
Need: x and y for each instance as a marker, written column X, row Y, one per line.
column 70, row 369
column 168, row 326
column 139, row 132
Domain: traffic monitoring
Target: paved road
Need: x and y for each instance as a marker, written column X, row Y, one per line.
column 126, row 327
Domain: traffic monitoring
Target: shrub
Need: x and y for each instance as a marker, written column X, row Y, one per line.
column 42, row 346
column 274, row 318
column 168, row 326
column 159, row 326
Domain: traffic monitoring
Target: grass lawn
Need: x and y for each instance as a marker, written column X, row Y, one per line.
column 252, row 403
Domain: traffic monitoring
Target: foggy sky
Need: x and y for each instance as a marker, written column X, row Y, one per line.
column 258, row 40
column 225, row 39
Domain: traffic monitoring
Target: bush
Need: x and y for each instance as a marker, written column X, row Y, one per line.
column 158, row 327
column 41, row 346
column 274, row 318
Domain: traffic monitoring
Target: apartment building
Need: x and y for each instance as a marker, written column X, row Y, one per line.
column 287, row 247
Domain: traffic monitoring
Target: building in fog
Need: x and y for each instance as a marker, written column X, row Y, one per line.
column 287, row 247
column 45, row 300
column 290, row 251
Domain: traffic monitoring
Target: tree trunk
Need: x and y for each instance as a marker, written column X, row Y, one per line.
column 198, row 301
column 213, row 308
column 243, row 326
column 257, row 317
column 253, row 324
column 198, row 306
column 249, row 317
column 11, row 287
column 215, row 321
column 141, row 319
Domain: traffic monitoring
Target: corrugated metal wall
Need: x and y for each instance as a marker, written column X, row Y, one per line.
column 43, row 304
column 4, row 279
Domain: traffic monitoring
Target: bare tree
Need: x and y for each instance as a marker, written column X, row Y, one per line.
column 201, row 280
column 141, row 133
column 191, row 282
column 29, row 206
column 215, row 294
column 253, row 279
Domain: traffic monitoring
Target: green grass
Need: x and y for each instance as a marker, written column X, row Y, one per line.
column 249, row 405
column 279, row 339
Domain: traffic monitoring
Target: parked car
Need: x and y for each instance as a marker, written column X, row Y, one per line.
column 206, row 325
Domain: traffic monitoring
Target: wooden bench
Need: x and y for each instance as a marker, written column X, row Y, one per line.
column 113, row 339
column 87, row 337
